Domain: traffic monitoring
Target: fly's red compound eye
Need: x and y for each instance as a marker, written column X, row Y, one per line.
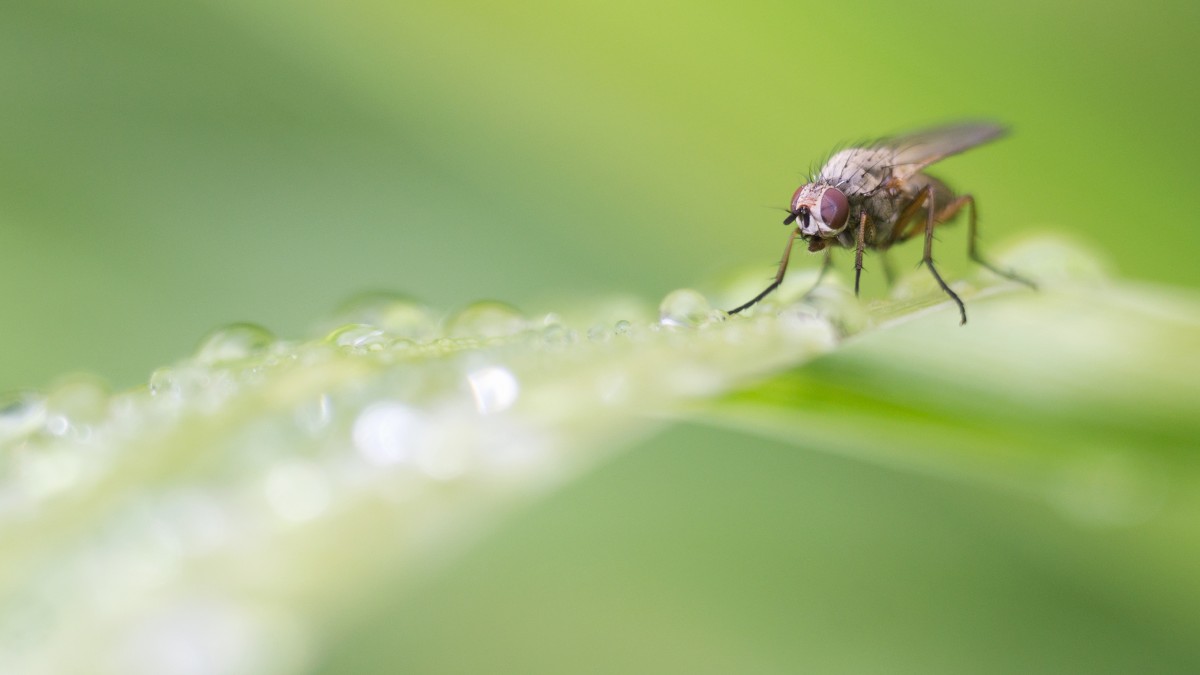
column 834, row 209
column 796, row 197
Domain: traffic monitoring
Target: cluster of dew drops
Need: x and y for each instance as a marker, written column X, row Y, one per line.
column 469, row 365
column 388, row 410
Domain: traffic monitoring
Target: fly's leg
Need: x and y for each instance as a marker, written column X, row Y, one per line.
column 888, row 271
column 858, row 251
column 826, row 263
column 909, row 212
column 783, row 263
column 898, row 233
column 972, row 250
column 928, row 257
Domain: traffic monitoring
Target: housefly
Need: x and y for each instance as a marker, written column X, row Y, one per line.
column 878, row 195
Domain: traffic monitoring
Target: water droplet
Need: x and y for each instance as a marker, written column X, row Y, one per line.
column 397, row 315
column 233, row 343
column 401, row 345
column 494, row 388
column 558, row 335
column 178, row 383
column 488, row 319
column 58, row 425
column 623, row 328
column 297, row 490
column 389, row 432
column 359, row 337
column 684, row 307
column 79, row 400
column 804, row 327
column 162, row 381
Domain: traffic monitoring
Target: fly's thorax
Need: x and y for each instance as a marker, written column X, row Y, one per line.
column 858, row 171
column 821, row 209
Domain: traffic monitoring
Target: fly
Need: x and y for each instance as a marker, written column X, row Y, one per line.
column 878, row 195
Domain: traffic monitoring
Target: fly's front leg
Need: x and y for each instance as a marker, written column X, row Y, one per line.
column 928, row 257
column 858, row 250
column 783, row 263
column 972, row 235
column 826, row 263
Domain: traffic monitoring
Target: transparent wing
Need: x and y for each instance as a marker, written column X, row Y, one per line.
column 918, row 150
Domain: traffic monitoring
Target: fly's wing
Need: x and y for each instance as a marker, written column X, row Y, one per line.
column 914, row 152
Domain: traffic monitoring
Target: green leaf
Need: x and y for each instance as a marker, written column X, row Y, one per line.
column 262, row 505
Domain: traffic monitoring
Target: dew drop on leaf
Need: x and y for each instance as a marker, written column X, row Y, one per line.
column 396, row 314
column 359, row 337
column 684, row 307
column 233, row 343
column 79, row 399
column 558, row 335
column 487, row 319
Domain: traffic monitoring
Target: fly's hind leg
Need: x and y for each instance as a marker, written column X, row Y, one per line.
column 889, row 272
column 900, row 230
column 927, row 259
column 972, row 235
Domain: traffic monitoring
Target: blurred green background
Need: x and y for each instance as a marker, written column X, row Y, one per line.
column 166, row 168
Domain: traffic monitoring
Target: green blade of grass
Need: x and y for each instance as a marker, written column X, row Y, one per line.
column 248, row 503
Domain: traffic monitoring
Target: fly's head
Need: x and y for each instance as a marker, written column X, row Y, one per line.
column 820, row 211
